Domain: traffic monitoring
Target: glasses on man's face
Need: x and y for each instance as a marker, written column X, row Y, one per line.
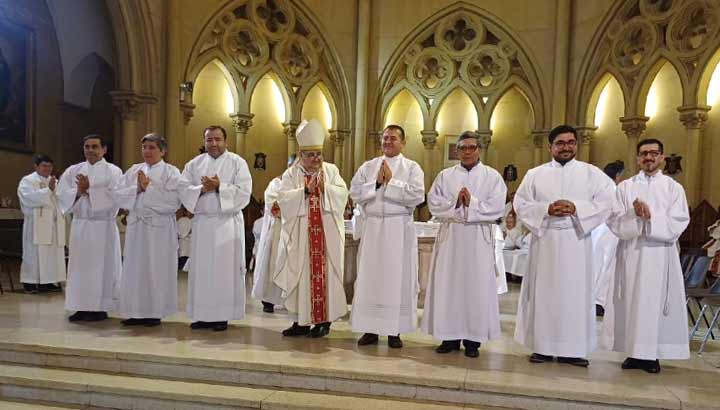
column 467, row 148
column 652, row 154
column 563, row 144
column 311, row 154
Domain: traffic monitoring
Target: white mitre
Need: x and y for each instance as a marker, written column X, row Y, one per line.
column 310, row 135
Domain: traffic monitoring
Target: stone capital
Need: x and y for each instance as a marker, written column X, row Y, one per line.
column 539, row 137
column 429, row 138
column 337, row 137
column 693, row 117
column 485, row 138
column 585, row 134
column 242, row 122
column 188, row 110
column 289, row 129
column 634, row 126
column 128, row 103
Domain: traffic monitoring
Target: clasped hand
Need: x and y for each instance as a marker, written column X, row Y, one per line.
column 83, row 184
column 561, row 207
column 384, row 174
column 317, row 181
column 142, row 181
column 463, row 198
column 210, row 184
column 642, row 210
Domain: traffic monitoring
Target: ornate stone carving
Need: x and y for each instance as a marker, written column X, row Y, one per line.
column 429, row 138
column 459, row 35
column 188, row 110
column 338, row 137
column 657, row 10
column 633, row 127
column 242, row 122
column 693, row 28
column 297, row 58
column 432, row 70
column 275, row 18
column 586, row 134
column 289, row 129
column 128, row 103
column 539, row 138
column 693, row 117
column 487, row 69
column 634, row 43
column 246, row 46
column 485, row 138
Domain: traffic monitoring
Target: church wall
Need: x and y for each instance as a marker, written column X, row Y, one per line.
column 316, row 106
column 609, row 142
column 457, row 114
column 405, row 112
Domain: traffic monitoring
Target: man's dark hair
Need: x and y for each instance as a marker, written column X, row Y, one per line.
column 213, row 128
column 396, row 128
column 648, row 141
column 614, row 168
column 467, row 135
column 158, row 139
column 561, row 129
column 38, row 159
column 95, row 137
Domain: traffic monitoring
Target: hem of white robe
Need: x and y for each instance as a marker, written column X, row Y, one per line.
column 464, row 336
column 105, row 305
column 41, row 281
column 213, row 315
column 389, row 328
column 295, row 317
column 652, row 352
column 145, row 314
column 557, row 349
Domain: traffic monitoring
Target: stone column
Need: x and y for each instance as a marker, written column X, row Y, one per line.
column 176, row 116
column 289, row 129
column 633, row 128
column 539, row 141
column 363, row 48
column 338, row 139
column 429, row 140
column 585, row 136
column 242, row 121
column 485, row 139
column 561, row 62
column 129, row 105
column 373, row 144
column 693, row 118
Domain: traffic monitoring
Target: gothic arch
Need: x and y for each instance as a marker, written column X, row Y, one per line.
column 320, row 84
column 519, row 86
column 638, row 98
column 292, row 47
column 461, row 46
column 393, row 92
column 594, row 97
column 457, row 84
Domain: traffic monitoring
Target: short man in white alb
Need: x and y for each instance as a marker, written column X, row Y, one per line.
column 387, row 188
column 560, row 202
column 149, row 191
column 646, row 315
column 43, row 260
column 215, row 187
column 461, row 301
column 94, row 266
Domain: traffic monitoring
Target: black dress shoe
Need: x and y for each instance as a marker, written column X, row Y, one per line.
column 150, row 322
column 448, row 346
column 368, row 339
column 200, row 325
column 95, row 316
column 471, row 348
column 540, row 358
column 133, row 322
column 395, row 342
column 320, row 330
column 78, row 316
column 268, row 307
column 30, row 288
column 296, row 330
column 650, row 366
column 51, row 287
column 219, row 326
column 574, row 361
column 599, row 310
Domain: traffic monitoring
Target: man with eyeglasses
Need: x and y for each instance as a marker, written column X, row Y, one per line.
column 646, row 316
column 461, row 302
column 387, row 188
column 561, row 202
column 312, row 198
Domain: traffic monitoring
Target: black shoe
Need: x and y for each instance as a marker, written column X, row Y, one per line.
column 296, row 330
column 96, row 316
column 78, row 316
column 650, row 366
column 599, row 310
column 320, row 330
column 133, row 322
column 51, row 287
column 540, row 358
column 200, row 325
column 219, row 326
column 30, row 288
column 395, row 342
column 268, row 307
column 448, row 346
column 471, row 348
column 574, row 361
column 150, row 322
column 368, row 339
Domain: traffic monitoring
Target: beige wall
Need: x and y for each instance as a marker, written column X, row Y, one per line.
column 609, row 142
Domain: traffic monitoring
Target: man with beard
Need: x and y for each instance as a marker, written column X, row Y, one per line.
column 646, row 316
column 560, row 202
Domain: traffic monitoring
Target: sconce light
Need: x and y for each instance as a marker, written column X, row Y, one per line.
column 186, row 90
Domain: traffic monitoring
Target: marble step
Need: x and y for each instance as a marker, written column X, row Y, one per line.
column 12, row 405
column 453, row 386
column 106, row 391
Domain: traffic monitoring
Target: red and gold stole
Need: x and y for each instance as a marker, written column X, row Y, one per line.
column 316, row 235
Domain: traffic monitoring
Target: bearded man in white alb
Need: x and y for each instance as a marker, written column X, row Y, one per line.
column 560, row 202
column 387, row 188
column 43, row 259
column 215, row 187
column 149, row 191
column 461, row 301
column 94, row 266
column 312, row 198
column 646, row 315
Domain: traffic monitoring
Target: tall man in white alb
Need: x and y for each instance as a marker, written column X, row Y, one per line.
column 646, row 316
column 94, row 266
column 43, row 259
column 387, row 188
column 149, row 191
column 461, row 301
column 560, row 202
column 312, row 198
column 215, row 187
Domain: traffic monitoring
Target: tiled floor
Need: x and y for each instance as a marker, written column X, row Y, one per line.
column 502, row 366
